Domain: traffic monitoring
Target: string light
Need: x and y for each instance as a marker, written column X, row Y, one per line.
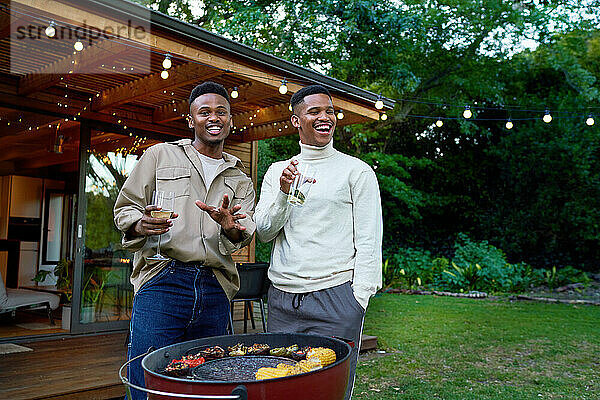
column 379, row 102
column 340, row 114
column 283, row 88
column 467, row 113
column 590, row 120
column 51, row 30
column 290, row 107
column 167, row 62
column 383, row 116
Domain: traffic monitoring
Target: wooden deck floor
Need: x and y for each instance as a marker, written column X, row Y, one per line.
column 77, row 368
column 73, row 368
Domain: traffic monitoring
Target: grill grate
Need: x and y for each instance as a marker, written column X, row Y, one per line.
column 241, row 368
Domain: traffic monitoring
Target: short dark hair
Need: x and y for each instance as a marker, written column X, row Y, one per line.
column 208, row 87
column 299, row 96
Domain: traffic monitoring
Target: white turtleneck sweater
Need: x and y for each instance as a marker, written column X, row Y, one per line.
column 335, row 237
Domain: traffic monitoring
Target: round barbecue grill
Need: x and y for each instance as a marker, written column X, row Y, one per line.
column 233, row 377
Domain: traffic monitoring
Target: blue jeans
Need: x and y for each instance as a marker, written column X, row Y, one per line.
column 182, row 302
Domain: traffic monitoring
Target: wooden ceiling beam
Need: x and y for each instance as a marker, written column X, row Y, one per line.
column 127, row 142
column 17, row 151
column 33, row 122
column 167, row 112
column 180, row 75
column 20, row 102
column 251, row 98
column 9, row 24
column 192, row 51
column 267, row 132
column 267, row 115
column 170, row 112
column 41, row 159
column 85, row 61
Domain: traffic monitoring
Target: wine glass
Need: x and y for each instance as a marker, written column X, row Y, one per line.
column 165, row 201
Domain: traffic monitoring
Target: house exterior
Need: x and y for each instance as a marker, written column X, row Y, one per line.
column 86, row 86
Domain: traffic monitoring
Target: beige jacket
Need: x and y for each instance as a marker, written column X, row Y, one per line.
column 194, row 236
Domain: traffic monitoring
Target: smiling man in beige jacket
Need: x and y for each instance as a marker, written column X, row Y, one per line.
column 188, row 296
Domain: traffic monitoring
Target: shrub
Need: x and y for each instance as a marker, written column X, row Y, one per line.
column 389, row 273
column 414, row 267
column 523, row 276
column 558, row 277
column 475, row 266
column 467, row 277
column 494, row 273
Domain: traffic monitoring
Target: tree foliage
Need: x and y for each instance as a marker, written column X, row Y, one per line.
column 532, row 191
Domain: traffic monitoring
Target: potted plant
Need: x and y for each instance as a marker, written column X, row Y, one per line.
column 63, row 273
column 93, row 291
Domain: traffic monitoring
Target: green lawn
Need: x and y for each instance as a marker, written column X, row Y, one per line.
column 454, row 348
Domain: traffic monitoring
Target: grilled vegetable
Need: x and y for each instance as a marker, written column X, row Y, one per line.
column 258, row 349
column 292, row 348
column 212, row 353
column 279, row 352
column 183, row 366
column 285, row 366
column 324, row 355
column 309, row 365
column 176, row 369
column 237, row 350
column 298, row 355
column 270, row 373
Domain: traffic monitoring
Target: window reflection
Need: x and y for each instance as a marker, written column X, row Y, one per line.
column 106, row 291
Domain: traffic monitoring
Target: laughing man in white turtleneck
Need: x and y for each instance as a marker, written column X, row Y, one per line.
column 326, row 256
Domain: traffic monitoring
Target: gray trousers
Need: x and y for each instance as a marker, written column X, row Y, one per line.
column 328, row 312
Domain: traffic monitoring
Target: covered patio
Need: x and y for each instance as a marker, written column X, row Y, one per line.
column 86, row 87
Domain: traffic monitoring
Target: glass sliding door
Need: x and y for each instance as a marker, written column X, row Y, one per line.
column 105, row 295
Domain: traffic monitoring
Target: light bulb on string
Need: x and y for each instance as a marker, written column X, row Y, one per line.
column 383, row 116
column 439, row 123
column 283, row 88
column 290, row 107
column 78, row 45
column 340, row 114
column 467, row 113
column 51, row 30
column 509, row 124
column 234, row 93
column 164, row 74
column 167, row 62
column 547, row 118
column 590, row 120
column 379, row 102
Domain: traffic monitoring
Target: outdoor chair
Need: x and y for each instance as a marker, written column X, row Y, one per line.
column 13, row 300
column 254, row 285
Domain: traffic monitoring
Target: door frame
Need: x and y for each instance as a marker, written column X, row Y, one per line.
column 80, row 226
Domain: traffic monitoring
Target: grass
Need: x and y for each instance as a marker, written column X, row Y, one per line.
column 453, row 348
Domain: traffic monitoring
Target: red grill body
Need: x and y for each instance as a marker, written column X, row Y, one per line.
column 328, row 383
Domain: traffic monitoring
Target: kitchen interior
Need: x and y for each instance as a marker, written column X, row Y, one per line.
column 39, row 189
column 36, row 225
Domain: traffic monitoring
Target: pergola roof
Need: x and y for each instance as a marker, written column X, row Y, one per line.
column 116, row 81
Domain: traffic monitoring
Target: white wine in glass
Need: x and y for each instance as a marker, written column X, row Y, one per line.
column 164, row 200
column 161, row 214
